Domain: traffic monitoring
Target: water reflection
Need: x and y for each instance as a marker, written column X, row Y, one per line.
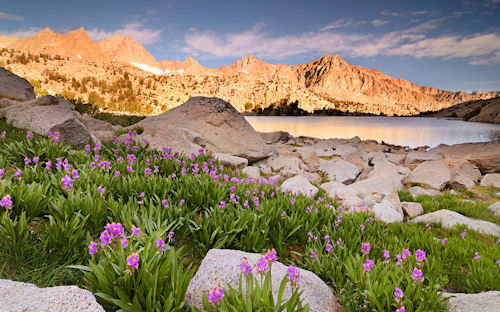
column 406, row 131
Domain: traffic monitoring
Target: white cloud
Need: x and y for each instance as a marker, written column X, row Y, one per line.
column 23, row 33
column 134, row 30
column 341, row 23
column 477, row 48
column 378, row 22
column 11, row 17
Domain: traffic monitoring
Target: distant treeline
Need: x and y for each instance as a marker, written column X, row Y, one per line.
column 293, row 109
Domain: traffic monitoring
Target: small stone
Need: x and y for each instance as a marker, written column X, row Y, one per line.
column 412, row 209
column 230, row 160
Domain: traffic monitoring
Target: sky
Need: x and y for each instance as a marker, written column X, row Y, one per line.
column 452, row 45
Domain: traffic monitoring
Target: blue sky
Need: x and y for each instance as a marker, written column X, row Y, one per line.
column 453, row 45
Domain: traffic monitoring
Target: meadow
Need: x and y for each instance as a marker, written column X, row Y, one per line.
column 132, row 225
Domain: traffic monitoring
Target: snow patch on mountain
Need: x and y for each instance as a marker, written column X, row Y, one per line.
column 147, row 68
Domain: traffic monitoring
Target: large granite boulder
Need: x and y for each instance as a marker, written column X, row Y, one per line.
column 23, row 297
column 381, row 184
column 482, row 302
column 484, row 155
column 339, row 170
column 491, row 179
column 433, row 173
column 221, row 127
column 48, row 113
column 220, row 267
column 387, row 212
column 299, row 185
column 449, row 219
column 14, row 87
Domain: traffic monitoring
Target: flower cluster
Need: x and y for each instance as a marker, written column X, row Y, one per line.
column 368, row 265
column 293, row 275
column 245, row 267
column 215, row 295
column 6, row 202
column 67, row 183
column 417, row 275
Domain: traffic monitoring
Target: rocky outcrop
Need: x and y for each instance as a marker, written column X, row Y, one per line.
column 14, row 87
column 46, row 114
column 23, row 297
column 482, row 302
column 220, row 267
column 220, row 127
column 484, row 156
column 489, row 113
column 449, row 219
column 417, row 191
column 432, row 173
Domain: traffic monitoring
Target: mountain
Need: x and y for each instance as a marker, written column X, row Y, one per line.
column 76, row 43
column 249, row 83
column 126, row 49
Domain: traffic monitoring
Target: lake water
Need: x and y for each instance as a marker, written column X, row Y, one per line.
column 405, row 131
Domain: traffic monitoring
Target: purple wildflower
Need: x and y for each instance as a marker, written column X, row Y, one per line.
column 101, row 190
column 6, row 202
column 401, row 309
column 398, row 294
column 215, row 295
column 245, row 267
column 362, row 227
column 293, row 275
column 463, row 234
column 160, row 244
column 29, row 134
column 92, row 248
column 417, row 275
column 133, row 260
column 365, row 248
column 105, row 238
column 271, row 255
column 387, row 256
column 313, row 255
column 420, row 256
column 67, row 183
column 368, row 265
column 136, row 231
column 262, row 265
column 477, row 256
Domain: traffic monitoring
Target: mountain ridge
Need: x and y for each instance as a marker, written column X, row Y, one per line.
column 329, row 78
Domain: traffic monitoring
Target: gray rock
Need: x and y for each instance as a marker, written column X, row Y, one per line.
column 343, row 150
column 385, row 211
column 495, row 207
column 101, row 129
column 449, row 219
column 412, row 209
column 292, row 164
column 181, row 140
column 461, row 182
column 339, row 170
column 396, row 158
column 275, row 137
column 310, row 157
column 381, row 184
column 223, row 129
column 231, row 160
column 482, row 302
column 252, row 172
column 14, row 87
column 23, row 297
column 418, row 157
column 466, row 169
column 221, row 267
column 299, row 185
column 48, row 113
column 483, row 155
column 417, row 191
column 432, row 173
column 491, row 179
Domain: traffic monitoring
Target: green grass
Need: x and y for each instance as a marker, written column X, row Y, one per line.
column 44, row 238
column 453, row 202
